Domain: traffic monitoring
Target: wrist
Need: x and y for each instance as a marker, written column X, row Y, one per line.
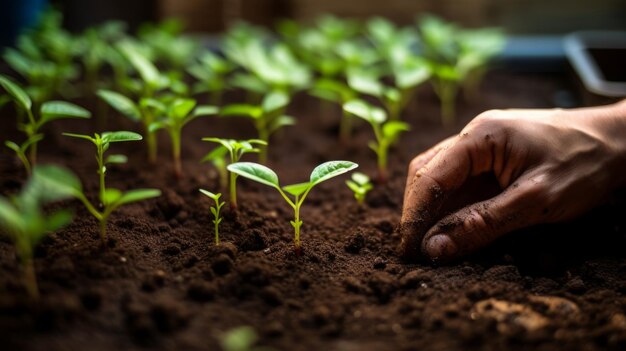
column 610, row 121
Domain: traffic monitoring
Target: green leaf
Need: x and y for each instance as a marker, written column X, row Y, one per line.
column 10, row 218
column 121, row 103
column 280, row 122
column 392, row 129
column 56, row 183
column 137, row 195
column 275, row 101
column 52, row 110
column 180, row 108
column 120, row 136
column 216, row 154
column 413, row 76
column 227, row 143
column 213, row 196
column 146, row 69
column 256, row 172
column 205, row 110
column 365, row 83
column 330, row 169
column 116, row 159
column 154, row 126
column 362, row 109
column 356, row 188
column 111, row 195
column 360, row 178
column 58, row 220
column 80, row 136
column 297, row 189
column 242, row 110
column 16, row 92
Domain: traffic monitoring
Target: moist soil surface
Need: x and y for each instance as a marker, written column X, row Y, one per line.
column 161, row 283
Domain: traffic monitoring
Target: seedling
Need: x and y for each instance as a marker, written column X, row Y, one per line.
column 268, row 117
column 235, row 149
column 110, row 199
column 49, row 111
column 211, row 71
column 23, row 220
column 386, row 132
column 266, row 176
column 359, row 184
column 241, row 338
column 178, row 113
column 455, row 56
column 215, row 210
column 340, row 93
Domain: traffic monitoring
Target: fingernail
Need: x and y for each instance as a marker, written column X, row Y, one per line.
column 440, row 246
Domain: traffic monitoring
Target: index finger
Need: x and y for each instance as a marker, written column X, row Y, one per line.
column 428, row 190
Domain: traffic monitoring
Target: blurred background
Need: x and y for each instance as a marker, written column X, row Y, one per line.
column 516, row 16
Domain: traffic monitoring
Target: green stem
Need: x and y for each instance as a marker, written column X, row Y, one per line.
column 298, row 223
column 103, row 231
column 447, row 94
column 345, row 127
column 382, row 163
column 233, row 191
column 178, row 168
column 101, row 172
column 30, row 277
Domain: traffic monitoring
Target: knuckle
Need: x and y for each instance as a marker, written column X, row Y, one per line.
column 486, row 124
column 414, row 165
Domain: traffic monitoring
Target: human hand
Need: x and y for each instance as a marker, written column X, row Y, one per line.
column 549, row 165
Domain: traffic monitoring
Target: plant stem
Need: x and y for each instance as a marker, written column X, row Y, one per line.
column 298, row 223
column 233, row 191
column 103, row 231
column 178, row 168
column 101, row 171
column 33, row 154
column 345, row 127
column 447, row 94
column 216, row 97
column 30, row 278
column 382, row 165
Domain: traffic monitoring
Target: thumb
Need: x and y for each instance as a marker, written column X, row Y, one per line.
column 479, row 224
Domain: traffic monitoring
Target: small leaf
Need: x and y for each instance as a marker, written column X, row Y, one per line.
column 10, row 218
column 137, row 195
column 330, row 169
column 362, row 109
column 205, row 110
column 214, row 212
column 80, row 136
column 256, row 172
column 116, row 159
column 213, row 196
column 216, row 154
column 111, row 196
column 360, row 178
column 180, row 108
column 280, row 122
column 392, row 129
column 146, row 69
column 297, row 189
column 241, row 110
column 121, row 103
column 275, row 101
column 16, row 92
column 58, row 220
column 154, row 126
column 365, row 83
column 13, row 146
column 56, row 183
column 354, row 186
column 119, row 136
column 52, row 110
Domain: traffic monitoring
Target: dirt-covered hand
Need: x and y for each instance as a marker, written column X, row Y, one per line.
column 546, row 165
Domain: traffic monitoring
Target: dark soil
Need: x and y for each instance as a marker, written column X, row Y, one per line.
column 162, row 284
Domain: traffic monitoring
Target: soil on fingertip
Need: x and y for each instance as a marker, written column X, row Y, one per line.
column 162, row 284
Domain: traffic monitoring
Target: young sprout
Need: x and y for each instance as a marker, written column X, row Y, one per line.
column 268, row 117
column 215, row 210
column 32, row 124
column 456, row 56
column 359, row 184
column 211, row 71
column 241, row 338
column 386, row 132
column 23, row 220
column 266, row 176
column 340, row 93
column 235, row 149
column 178, row 113
column 110, row 199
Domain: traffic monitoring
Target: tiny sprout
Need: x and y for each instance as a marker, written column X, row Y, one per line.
column 386, row 132
column 178, row 113
column 49, row 111
column 360, row 184
column 110, row 198
column 23, row 220
column 241, row 339
column 266, row 176
column 236, row 149
column 215, row 210
column 268, row 117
